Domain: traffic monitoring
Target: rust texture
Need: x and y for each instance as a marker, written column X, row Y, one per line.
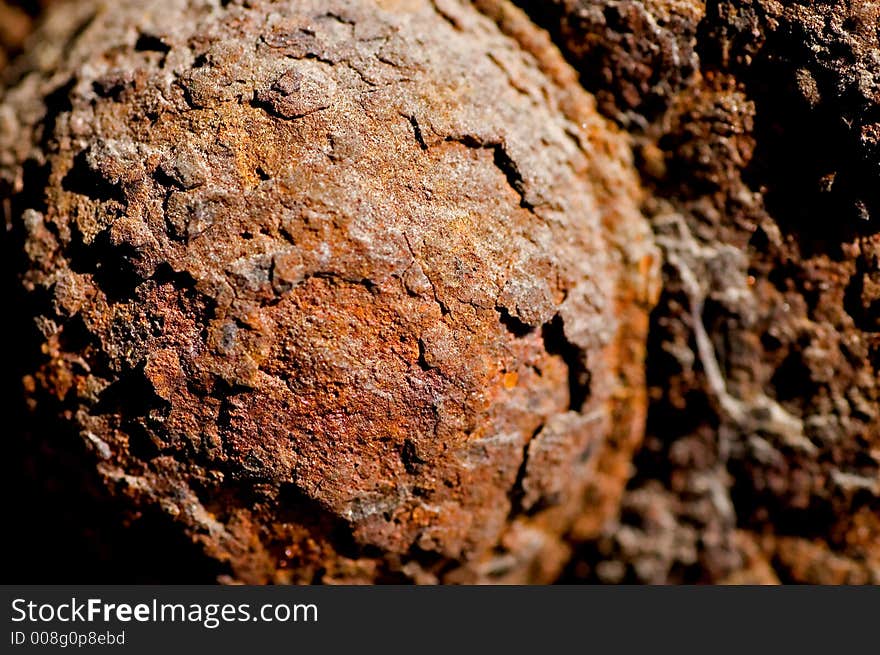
column 348, row 291
column 756, row 131
column 359, row 291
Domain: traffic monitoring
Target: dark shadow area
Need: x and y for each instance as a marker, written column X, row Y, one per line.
column 61, row 526
column 814, row 172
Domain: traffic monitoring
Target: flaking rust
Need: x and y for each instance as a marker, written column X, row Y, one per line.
column 351, row 291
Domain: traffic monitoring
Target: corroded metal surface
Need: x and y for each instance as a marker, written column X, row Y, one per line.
column 351, row 291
